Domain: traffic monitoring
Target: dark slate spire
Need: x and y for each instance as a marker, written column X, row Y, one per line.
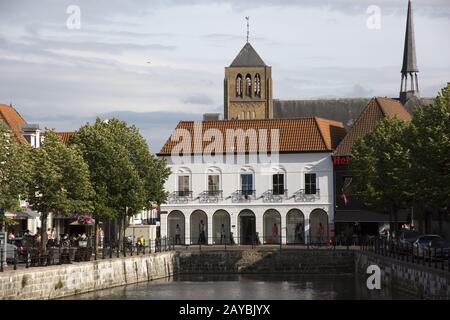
column 248, row 57
column 409, row 53
column 409, row 68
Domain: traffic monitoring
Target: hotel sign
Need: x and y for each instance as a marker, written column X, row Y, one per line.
column 341, row 160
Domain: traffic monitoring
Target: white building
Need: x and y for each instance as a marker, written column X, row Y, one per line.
column 256, row 196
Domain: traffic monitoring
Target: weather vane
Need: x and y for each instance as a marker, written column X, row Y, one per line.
column 248, row 26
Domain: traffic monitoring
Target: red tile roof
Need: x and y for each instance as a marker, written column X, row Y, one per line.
column 376, row 110
column 65, row 136
column 13, row 120
column 295, row 135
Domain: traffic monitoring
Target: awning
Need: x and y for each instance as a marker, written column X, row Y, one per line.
column 76, row 223
column 22, row 215
column 366, row 216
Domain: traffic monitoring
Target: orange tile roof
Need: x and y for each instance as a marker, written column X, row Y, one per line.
column 295, row 135
column 13, row 120
column 376, row 110
column 65, row 136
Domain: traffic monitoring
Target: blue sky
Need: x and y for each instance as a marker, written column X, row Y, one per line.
column 62, row 78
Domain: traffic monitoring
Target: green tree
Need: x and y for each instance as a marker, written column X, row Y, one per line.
column 381, row 164
column 124, row 174
column 60, row 181
column 430, row 155
column 14, row 172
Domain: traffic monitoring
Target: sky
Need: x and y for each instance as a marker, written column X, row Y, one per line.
column 154, row 63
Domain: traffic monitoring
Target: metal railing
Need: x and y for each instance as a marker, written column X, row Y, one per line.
column 180, row 197
column 270, row 196
column 437, row 258
column 302, row 196
column 243, row 196
column 210, row 196
column 37, row 257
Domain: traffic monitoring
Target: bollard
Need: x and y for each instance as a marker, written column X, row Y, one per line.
column 1, row 260
column 117, row 251
column 26, row 258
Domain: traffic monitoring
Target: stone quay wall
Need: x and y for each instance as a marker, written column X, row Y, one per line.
column 69, row 279
column 265, row 261
column 421, row 281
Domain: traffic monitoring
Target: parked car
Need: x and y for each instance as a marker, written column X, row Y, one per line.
column 421, row 244
column 10, row 252
column 438, row 249
column 406, row 238
column 22, row 245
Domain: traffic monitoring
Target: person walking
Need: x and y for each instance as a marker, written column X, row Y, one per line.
column 320, row 233
column 222, row 234
column 202, row 237
column 177, row 234
column 275, row 233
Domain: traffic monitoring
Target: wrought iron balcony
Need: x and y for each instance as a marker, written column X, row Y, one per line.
column 277, row 196
column 303, row 196
column 210, row 196
column 243, row 196
column 180, row 197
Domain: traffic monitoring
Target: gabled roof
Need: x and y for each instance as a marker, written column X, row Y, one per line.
column 409, row 52
column 13, row 120
column 248, row 57
column 376, row 110
column 295, row 135
column 65, row 136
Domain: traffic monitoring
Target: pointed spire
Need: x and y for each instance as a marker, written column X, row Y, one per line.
column 248, row 27
column 409, row 67
column 409, row 53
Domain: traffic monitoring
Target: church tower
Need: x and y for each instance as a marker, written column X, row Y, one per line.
column 248, row 86
column 409, row 68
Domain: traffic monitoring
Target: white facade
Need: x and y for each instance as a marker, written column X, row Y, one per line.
column 290, row 211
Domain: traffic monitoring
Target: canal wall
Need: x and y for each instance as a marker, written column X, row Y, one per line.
column 265, row 261
column 65, row 280
column 421, row 281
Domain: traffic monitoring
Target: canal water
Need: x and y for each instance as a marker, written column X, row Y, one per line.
column 247, row 287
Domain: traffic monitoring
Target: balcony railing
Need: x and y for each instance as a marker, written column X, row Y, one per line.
column 302, row 196
column 210, row 196
column 243, row 196
column 180, row 197
column 277, row 196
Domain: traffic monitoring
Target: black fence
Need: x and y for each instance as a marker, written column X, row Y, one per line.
column 57, row 255
column 437, row 258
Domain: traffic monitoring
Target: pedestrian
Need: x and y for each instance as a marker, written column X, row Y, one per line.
column 54, row 235
column 177, row 234
column 201, row 238
column 222, row 234
column 274, row 233
column 320, row 233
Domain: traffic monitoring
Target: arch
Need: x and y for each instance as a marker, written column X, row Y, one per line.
column 295, row 226
column 272, row 226
column 248, row 85
column 175, row 218
column 247, row 227
column 317, row 218
column 221, row 236
column 253, row 115
column 257, row 85
column 239, row 85
column 196, row 219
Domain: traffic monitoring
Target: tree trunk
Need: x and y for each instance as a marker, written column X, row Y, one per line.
column 44, row 230
column 95, row 235
column 119, row 231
